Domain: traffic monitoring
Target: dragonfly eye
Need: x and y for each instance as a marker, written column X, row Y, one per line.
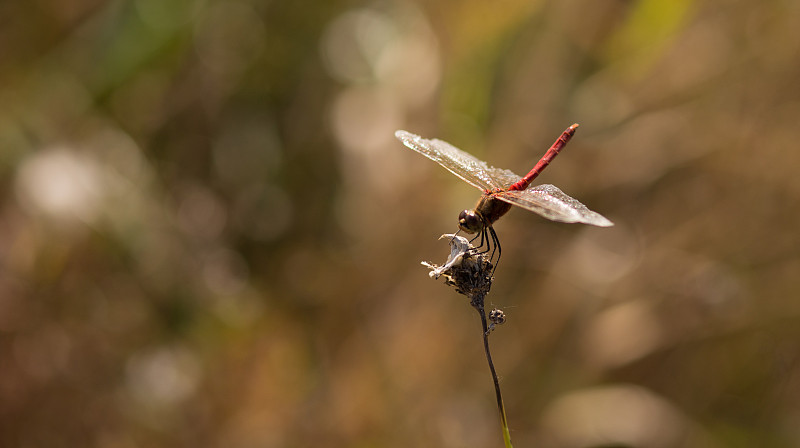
column 469, row 221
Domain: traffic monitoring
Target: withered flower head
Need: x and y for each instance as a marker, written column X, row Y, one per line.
column 468, row 270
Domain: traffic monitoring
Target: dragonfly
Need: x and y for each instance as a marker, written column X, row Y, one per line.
column 502, row 188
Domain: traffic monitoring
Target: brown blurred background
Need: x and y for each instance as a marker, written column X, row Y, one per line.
column 209, row 236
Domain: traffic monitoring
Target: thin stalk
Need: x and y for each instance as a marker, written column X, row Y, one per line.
column 500, row 407
column 470, row 272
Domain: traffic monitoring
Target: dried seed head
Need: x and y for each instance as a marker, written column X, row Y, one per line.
column 465, row 269
column 497, row 317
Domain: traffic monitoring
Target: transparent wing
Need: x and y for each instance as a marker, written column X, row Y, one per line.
column 458, row 162
column 552, row 203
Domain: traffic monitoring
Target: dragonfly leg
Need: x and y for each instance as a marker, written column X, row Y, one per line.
column 485, row 241
column 481, row 235
column 496, row 247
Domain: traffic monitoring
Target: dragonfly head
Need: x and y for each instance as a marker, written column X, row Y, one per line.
column 470, row 222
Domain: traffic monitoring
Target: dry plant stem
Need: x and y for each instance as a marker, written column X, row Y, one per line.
column 477, row 303
column 470, row 272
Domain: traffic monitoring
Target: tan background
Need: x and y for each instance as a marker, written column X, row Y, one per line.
column 210, row 237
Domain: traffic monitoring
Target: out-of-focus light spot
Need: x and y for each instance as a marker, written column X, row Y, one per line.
column 353, row 42
column 104, row 183
column 61, row 184
column 365, row 118
column 412, row 68
column 622, row 334
column 229, row 37
column 398, row 52
column 615, row 415
column 163, row 377
column 262, row 212
column 200, row 213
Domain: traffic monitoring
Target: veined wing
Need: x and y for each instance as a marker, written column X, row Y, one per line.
column 467, row 167
column 552, row 203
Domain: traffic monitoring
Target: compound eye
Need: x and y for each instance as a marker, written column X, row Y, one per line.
column 469, row 221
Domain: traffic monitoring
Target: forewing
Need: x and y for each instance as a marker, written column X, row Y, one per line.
column 552, row 203
column 505, row 178
column 458, row 162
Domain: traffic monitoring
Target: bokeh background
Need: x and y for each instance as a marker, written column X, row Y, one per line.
column 209, row 236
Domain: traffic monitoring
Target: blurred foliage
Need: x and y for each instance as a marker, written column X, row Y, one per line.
column 210, row 237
